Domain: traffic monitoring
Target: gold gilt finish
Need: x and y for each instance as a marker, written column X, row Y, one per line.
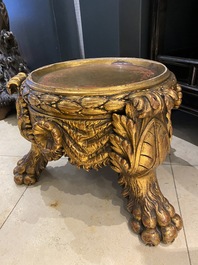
column 97, row 112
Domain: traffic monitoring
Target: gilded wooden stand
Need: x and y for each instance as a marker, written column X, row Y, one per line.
column 104, row 111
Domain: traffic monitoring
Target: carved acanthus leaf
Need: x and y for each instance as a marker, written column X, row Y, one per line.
column 119, row 164
column 123, row 155
column 146, row 104
column 23, row 117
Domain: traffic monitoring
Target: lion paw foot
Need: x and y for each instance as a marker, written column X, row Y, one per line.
column 28, row 169
column 155, row 224
column 25, row 179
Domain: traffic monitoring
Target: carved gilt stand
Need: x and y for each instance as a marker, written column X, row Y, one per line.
column 104, row 111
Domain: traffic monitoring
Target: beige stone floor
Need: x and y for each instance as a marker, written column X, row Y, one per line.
column 78, row 218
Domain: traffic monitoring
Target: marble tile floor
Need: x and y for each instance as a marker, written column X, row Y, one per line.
column 78, row 218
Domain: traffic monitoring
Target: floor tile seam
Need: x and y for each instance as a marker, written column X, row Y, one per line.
column 165, row 164
column 182, row 165
column 4, row 155
column 180, row 212
column 10, row 213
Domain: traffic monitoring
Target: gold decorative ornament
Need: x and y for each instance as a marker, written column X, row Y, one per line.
column 107, row 111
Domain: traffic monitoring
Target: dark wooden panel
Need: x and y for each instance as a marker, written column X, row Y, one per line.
column 45, row 30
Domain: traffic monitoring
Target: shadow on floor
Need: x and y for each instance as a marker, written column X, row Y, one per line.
column 78, row 194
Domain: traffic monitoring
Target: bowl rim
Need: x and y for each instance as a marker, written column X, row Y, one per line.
column 164, row 74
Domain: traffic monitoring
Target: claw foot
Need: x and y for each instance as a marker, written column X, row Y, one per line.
column 153, row 217
column 29, row 167
column 25, row 179
column 155, row 233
